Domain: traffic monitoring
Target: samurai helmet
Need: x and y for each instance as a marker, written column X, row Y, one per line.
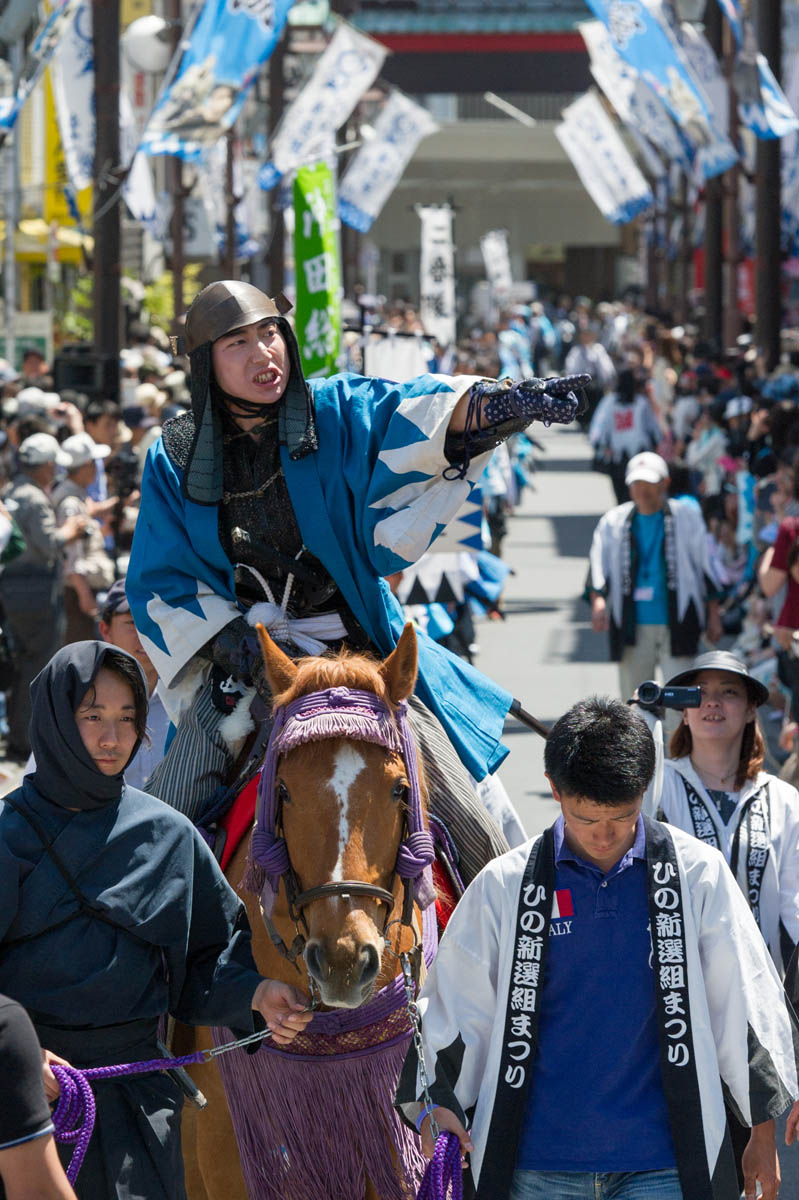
column 226, row 305
column 219, row 308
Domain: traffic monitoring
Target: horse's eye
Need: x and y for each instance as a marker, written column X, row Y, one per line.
column 399, row 791
column 283, row 796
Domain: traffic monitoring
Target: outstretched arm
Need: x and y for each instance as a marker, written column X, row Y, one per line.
column 492, row 410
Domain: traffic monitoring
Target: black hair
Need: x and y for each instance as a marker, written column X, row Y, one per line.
column 682, row 479
column 34, row 423
column 126, row 667
column 626, row 386
column 600, row 750
column 102, row 408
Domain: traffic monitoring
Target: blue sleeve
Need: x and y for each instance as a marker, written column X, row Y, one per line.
column 179, row 583
column 213, row 977
column 391, row 474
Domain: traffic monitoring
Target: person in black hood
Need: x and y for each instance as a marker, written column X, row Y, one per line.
column 113, row 912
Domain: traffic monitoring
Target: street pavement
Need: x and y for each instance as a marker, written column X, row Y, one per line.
column 544, row 652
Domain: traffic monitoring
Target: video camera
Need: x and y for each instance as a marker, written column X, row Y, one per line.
column 652, row 696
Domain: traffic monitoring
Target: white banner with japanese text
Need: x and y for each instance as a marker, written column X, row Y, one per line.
column 437, row 273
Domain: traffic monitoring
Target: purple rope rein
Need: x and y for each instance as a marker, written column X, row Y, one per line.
column 443, row 1170
column 76, row 1110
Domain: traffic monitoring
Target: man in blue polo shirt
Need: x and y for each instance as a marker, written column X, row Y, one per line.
column 597, row 994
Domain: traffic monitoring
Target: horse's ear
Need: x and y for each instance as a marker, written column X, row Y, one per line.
column 280, row 670
column 399, row 669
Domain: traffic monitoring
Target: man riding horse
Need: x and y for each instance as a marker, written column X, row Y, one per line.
column 288, row 502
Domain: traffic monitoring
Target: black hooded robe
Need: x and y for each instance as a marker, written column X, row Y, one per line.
column 147, row 925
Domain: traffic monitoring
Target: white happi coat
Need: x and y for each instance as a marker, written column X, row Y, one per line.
column 735, row 1000
column 778, row 903
column 692, row 567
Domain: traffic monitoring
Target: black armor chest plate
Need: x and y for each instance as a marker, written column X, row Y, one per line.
column 258, row 528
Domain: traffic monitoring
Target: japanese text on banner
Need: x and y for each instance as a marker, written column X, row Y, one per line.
column 318, row 270
column 437, row 274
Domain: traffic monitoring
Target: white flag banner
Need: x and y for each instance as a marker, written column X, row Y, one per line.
column 496, row 257
column 377, row 167
column 72, row 80
column 348, row 66
column 705, row 66
column 212, row 186
column 577, row 148
column 591, row 132
column 653, row 164
column 790, row 160
column 437, row 273
column 638, row 106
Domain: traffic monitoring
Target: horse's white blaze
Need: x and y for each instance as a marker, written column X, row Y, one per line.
column 348, row 766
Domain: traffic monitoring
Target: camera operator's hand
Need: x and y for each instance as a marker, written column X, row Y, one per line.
column 73, row 528
column 600, row 619
column 100, row 508
column 70, row 414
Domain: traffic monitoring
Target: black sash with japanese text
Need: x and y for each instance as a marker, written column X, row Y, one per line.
column 520, row 1040
column 758, row 835
column 677, row 1051
column 756, row 816
column 701, row 820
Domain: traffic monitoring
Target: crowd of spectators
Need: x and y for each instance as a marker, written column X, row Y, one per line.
column 70, row 465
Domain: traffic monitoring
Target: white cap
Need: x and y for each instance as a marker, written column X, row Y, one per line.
column 737, row 406
column 646, row 467
column 81, row 449
column 40, row 449
column 34, row 400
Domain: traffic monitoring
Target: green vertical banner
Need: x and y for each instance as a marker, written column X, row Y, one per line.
column 318, row 270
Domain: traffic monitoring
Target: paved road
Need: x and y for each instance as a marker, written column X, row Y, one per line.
column 545, row 652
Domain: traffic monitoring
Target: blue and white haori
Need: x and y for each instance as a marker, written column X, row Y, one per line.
column 369, row 502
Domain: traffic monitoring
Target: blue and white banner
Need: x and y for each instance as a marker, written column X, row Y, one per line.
column 638, row 107
column 348, row 66
column 790, row 162
column 212, row 180
column 40, row 52
column 641, row 34
column 762, row 105
column 603, row 162
column 72, row 80
column 377, row 167
column 227, row 45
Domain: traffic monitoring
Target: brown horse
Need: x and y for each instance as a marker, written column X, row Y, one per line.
column 343, row 819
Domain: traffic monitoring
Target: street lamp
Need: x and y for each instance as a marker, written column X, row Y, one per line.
column 148, row 44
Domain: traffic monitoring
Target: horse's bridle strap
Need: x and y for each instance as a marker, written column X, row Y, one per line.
column 342, row 891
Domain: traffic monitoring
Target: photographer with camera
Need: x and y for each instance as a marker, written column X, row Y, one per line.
column 88, row 568
column 714, row 788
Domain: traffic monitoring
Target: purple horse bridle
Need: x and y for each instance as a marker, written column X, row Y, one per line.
column 360, row 716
